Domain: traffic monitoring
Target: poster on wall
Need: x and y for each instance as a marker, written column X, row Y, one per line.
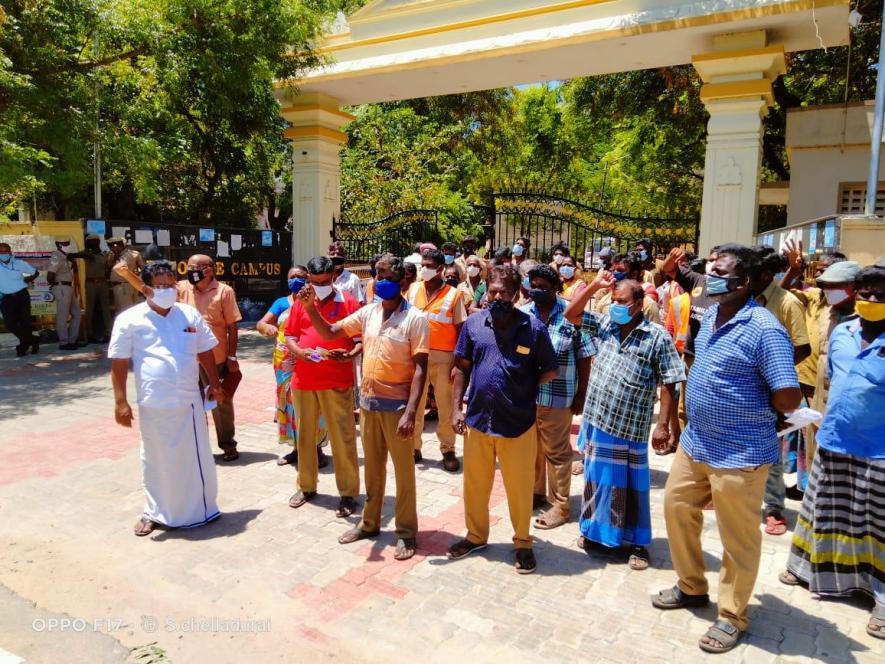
column 812, row 238
column 42, row 301
column 95, row 226
column 830, row 233
column 266, row 238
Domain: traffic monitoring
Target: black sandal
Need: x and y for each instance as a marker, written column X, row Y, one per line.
column 463, row 547
column 726, row 634
column 674, row 598
column 525, row 561
column 638, row 559
column 346, row 507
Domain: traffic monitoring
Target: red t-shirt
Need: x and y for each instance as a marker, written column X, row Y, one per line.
column 325, row 374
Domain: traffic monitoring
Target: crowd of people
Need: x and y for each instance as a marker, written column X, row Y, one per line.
column 725, row 347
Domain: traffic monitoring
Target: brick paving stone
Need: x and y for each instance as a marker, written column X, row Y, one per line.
column 70, row 492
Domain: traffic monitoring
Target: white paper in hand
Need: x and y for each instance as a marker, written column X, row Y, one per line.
column 799, row 419
column 207, row 404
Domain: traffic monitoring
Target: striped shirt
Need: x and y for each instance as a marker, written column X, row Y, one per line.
column 621, row 393
column 570, row 344
column 737, row 367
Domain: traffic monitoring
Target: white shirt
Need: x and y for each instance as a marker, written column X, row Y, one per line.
column 164, row 352
column 348, row 282
column 12, row 275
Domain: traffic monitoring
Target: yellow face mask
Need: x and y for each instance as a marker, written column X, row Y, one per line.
column 871, row 311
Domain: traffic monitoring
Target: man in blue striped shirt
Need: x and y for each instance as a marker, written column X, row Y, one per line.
column 741, row 381
column 559, row 399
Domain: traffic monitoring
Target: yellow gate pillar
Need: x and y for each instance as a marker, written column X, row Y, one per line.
column 316, row 170
column 737, row 92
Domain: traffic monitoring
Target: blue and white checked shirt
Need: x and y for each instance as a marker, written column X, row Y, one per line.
column 621, row 394
column 570, row 344
column 731, row 423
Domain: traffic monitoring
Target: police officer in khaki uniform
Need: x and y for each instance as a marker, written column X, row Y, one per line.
column 97, row 295
column 125, row 296
column 61, row 278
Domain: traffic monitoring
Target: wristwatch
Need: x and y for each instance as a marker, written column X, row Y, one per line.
column 232, row 358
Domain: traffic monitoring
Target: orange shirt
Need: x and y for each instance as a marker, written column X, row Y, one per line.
column 218, row 304
column 444, row 313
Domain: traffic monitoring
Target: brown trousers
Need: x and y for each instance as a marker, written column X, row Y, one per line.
column 736, row 494
column 439, row 371
column 337, row 406
column 516, row 456
column 223, row 414
column 553, row 462
column 378, row 432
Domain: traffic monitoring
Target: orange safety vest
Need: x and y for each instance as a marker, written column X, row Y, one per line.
column 676, row 321
column 440, row 320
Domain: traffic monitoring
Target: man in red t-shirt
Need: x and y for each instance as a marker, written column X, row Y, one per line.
column 322, row 382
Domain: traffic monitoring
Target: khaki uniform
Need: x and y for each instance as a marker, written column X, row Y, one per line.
column 67, row 303
column 125, row 296
column 97, row 294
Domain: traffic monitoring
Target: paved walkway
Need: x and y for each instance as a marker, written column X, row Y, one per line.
column 268, row 583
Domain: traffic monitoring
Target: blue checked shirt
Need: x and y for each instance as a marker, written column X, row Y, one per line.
column 571, row 344
column 621, row 393
column 731, row 423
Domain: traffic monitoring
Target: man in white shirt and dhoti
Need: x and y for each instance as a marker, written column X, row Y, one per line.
column 167, row 343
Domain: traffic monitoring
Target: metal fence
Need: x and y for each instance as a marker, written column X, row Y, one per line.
column 395, row 234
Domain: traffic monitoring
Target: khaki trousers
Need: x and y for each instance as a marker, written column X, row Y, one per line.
column 223, row 414
column 680, row 407
column 67, row 305
column 97, row 298
column 439, row 371
column 125, row 296
column 516, row 457
column 736, row 495
column 553, row 462
column 378, row 432
column 337, row 406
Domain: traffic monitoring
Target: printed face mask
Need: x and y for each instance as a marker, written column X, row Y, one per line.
column 195, row 276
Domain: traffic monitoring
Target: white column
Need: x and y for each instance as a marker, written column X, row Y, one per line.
column 737, row 92
column 316, row 171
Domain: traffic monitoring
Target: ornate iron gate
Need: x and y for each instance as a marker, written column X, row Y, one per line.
column 546, row 220
column 395, row 234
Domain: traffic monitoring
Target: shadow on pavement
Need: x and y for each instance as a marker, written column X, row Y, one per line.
column 227, row 525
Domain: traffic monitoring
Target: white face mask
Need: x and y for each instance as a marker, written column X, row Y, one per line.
column 836, row 296
column 164, row 297
column 472, row 270
column 558, row 258
column 708, row 268
column 427, row 273
column 322, row 292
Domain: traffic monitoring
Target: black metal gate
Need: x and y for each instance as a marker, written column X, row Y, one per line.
column 547, row 220
column 395, row 234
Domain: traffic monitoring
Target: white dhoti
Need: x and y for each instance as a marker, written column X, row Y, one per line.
column 180, row 484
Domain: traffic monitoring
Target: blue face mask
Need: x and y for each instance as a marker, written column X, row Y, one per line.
column 296, row 285
column 717, row 285
column 619, row 313
column 518, row 250
column 449, row 259
column 526, row 284
column 643, row 255
column 566, row 271
column 618, row 275
column 386, row 289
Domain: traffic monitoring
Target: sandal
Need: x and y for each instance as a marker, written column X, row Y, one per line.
column 788, row 578
column 290, row 459
column 525, row 561
column 638, row 559
column 230, row 455
column 674, row 598
column 775, row 524
column 577, row 467
column 346, row 507
column 144, row 526
column 876, row 626
column 405, row 548
column 299, row 498
column 355, row 535
column 552, row 518
column 722, row 633
column 463, row 547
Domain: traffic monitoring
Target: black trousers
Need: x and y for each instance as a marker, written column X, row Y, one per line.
column 16, row 310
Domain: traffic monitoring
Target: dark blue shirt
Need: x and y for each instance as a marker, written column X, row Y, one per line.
column 505, row 372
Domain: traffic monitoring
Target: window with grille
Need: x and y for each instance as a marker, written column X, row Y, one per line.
column 852, row 195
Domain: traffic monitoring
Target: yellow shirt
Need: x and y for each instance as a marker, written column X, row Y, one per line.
column 789, row 311
column 814, row 301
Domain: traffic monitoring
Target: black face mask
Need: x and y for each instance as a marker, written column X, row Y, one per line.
column 195, row 276
column 338, row 261
column 501, row 309
column 541, row 296
column 453, row 282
